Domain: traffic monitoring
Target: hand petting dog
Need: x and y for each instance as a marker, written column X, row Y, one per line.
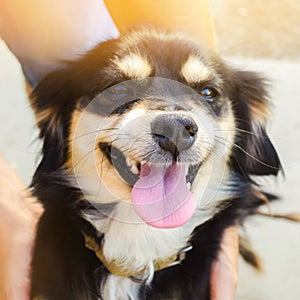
column 19, row 215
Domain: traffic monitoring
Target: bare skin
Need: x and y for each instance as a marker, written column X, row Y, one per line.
column 223, row 281
column 19, row 214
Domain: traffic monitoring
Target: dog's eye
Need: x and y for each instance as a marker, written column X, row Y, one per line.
column 209, row 94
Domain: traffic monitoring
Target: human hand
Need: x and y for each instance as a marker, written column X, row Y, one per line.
column 223, row 281
column 19, row 214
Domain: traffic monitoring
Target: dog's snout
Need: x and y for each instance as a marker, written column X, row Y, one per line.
column 174, row 133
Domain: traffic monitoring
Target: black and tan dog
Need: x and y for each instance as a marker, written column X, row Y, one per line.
column 150, row 144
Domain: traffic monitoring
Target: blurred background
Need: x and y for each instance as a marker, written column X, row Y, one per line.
column 256, row 35
column 258, row 29
column 265, row 36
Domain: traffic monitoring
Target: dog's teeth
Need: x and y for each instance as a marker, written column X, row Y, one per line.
column 132, row 165
column 186, row 170
column 188, row 184
column 134, row 169
column 129, row 162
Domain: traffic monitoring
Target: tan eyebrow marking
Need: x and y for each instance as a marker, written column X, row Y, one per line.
column 134, row 66
column 194, row 70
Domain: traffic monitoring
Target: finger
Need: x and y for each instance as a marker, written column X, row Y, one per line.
column 17, row 206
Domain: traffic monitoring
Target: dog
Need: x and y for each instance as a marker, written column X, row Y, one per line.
column 150, row 148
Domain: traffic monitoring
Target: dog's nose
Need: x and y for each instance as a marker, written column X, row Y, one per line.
column 174, row 133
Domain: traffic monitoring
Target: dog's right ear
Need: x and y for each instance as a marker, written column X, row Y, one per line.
column 53, row 101
column 56, row 96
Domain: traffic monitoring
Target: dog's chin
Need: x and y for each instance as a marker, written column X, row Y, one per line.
column 160, row 192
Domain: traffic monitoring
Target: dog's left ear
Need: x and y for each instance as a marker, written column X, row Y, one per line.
column 254, row 153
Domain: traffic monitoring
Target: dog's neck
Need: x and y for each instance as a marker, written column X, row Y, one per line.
column 135, row 246
column 139, row 276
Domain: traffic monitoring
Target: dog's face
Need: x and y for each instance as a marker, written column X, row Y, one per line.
column 156, row 125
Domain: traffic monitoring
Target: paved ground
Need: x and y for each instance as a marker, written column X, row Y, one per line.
column 278, row 242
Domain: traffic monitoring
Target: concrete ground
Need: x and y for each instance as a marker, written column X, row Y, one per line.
column 277, row 241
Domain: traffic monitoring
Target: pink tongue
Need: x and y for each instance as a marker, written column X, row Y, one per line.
column 161, row 197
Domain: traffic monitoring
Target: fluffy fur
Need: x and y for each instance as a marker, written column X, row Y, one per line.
column 231, row 145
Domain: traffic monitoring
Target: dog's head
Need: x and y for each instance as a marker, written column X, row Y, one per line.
column 156, row 124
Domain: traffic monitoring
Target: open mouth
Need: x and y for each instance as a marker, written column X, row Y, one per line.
column 130, row 170
column 160, row 194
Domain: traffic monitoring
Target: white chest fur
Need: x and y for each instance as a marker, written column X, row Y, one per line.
column 119, row 288
column 135, row 245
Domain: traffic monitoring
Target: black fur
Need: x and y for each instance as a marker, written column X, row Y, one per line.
column 63, row 268
column 258, row 156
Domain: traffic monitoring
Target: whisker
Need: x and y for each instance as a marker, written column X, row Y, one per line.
column 243, row 121
column 246, row 132
column 84, row 156
column 237, row 129
column 91, row 132
column 244, row 151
